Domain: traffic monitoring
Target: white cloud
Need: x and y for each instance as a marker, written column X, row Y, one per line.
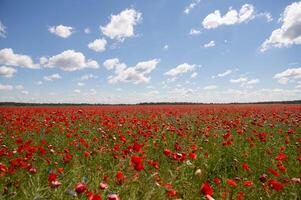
column 2, row 30
column 8, row 57
column 210, row 87
column 194, row 32
column 193, row 75
column 19, row 87
column 165, row 47
column 239, row 80
column 227, row 72
column 288, row 75
column 136, row 74
column 98, row 45
column 61, row 30
column 71, row 60
column 180, row 69
column 87, row 77
column 110, row 63
column 52, row 77
column 214, row 20
column 25, row 92
column 7, row 72
column 80, row 84
column 189, row 7
column 87, row 30
column 209, row 44
column 122, row 25
column 6, row 87
column 76, row 91
column 290, row 31
column 245, row 82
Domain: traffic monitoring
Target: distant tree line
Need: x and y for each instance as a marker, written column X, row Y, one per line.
column 142, row 103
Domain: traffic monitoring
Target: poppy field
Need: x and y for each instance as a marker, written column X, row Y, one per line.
column 153, row 152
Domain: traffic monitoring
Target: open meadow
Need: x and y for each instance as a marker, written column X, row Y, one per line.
column 151, row 152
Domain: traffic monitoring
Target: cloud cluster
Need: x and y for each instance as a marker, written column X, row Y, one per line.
column 7, row 72
column 136, row 74
column 189, row 7
column 61, row 31
column 70, row 60
column 98, row 45
column 121, row 26
column 245, row 81
column 52, row 77
column 288, row 74
column 290, row 31
column 9, row 58
column 180, row 69
column 214, row 20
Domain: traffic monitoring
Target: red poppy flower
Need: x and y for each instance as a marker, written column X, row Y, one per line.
column 275, row 185
column 206, row 189
column 171, row 192
column 231, row 182
column 80, row 188
column 248, row 183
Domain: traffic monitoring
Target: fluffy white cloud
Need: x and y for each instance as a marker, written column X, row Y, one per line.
column 71, row 60
column 6, row 87
column 227, row 72
column 244, row 81
column 165, row 47
column 52, row 77
column 287, row 75
column 2, row 30
column 111, row 63
column 61, row 30
column 87, row 77
column 98, row 45
column 194, row 32
column 290, row 31
column 210, row 87
column 209, row 44
column 76, row 91
column 8, row 57
column 189, row 7
column 122, row 25
column 214, row 20
column 7, row 72
column 80, row 84
column 25, row 92
column 239, row 80
column 136, row 74
column 180, row 69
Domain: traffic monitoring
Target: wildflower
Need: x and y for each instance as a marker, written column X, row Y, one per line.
column 80, row 188
column 206, row 189
column 171, row 192
column 231, row 182
column 113, row 197
column 246, row 167
column 103, row 185
column 248, row 183
column 275, row 185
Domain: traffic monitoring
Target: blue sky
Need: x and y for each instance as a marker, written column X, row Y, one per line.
column 143, row 51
